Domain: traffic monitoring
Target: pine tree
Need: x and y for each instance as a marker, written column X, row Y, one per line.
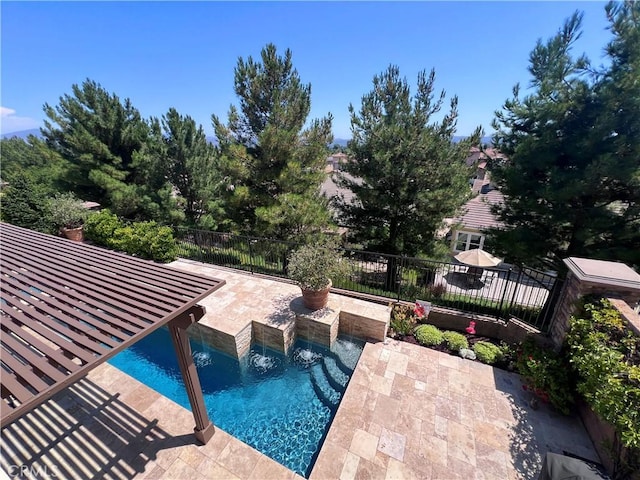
column 32, row 159
column 572, row 178
column 187, row 160
column 104, row 140
column 272, row 165
column 25, row 204
column 406, row 173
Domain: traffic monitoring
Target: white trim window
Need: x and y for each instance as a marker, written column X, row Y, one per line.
column 468, row 241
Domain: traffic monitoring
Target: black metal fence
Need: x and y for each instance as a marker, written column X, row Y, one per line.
column 504, row 292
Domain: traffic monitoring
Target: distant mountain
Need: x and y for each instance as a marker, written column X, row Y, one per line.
column 340, row 141
column 23, row 134
column 483, row 140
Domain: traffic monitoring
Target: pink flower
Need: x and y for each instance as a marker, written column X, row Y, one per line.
column 471, row 329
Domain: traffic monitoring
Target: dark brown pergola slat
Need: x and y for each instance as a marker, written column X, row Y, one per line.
column 68, row 307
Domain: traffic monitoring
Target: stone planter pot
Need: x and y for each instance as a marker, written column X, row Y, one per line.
column 316, row 299
column 74, row 234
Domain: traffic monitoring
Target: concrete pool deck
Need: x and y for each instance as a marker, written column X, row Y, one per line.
column 408, row 412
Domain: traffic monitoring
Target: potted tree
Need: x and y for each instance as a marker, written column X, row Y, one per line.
column 313, row 267
column 68, row 215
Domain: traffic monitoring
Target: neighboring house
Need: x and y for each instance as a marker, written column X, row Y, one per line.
column 467, row 230
column 480, row 159
column 335, row 161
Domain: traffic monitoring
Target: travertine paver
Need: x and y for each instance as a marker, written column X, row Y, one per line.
column 443, row 418
column 409, row 412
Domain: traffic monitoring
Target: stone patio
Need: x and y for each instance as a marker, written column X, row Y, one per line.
column 408, row 412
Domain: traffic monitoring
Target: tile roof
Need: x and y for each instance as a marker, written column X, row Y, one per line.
column 477, row 211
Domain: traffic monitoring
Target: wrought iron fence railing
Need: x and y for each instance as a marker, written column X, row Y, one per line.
column 503, row 292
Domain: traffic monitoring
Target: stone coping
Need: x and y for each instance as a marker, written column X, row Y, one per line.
column 603, row 272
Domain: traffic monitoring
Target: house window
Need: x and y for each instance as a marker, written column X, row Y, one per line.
column 468, row 241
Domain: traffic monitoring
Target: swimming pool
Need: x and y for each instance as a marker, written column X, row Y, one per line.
column 280, row 405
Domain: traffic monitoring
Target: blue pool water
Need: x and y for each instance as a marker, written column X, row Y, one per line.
column 280, row 405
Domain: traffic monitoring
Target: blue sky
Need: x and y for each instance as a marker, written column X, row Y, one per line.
column 182, row 54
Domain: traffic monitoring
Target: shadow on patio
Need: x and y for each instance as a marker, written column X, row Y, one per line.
column 534, row 432
column 85, row 432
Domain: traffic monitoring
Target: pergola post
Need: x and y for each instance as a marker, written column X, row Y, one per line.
column 178, row 328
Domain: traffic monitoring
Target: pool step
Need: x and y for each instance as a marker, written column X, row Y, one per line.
column 336, row 377
column 325, row 392
column 346, row 355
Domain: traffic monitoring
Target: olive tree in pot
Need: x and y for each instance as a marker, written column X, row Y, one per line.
column 313, row 267
column 68, row 215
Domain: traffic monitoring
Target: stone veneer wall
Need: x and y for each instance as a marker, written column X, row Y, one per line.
column 323, row 331
column 588, row 277
column 321, row 326
column 363, row 327
column 234, row 346
column 275, row 338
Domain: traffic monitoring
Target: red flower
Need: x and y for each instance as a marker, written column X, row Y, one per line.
column 471, row 329
column 418, row 310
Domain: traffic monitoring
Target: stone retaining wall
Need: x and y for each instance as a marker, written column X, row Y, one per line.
column 512, row 331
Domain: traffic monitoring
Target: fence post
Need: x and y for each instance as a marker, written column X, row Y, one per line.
column 504, row 292
column 515, row 288
column 399, row 273
column 250, row 254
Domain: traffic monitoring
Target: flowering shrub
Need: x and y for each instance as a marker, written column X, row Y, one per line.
column 606, row 356
column 546, row 375
column 403, row 319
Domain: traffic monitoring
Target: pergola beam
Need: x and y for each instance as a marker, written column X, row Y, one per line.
column 67, row 307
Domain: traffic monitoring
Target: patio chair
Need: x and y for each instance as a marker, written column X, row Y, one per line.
column 473, row 275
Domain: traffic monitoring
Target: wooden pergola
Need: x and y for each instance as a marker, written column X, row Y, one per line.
column 67, row 307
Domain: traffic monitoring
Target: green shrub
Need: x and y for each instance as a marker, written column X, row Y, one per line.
column 455, row 340
column 100, row 228
column 604, row 353
column 158, row 244
column 24, row 203
column 428, row 335
column 546, row 375
column 487, row 352
column 143, row 239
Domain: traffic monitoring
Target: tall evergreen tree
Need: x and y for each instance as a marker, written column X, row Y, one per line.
column 273, row 166
column 572, row 178
column 183, row 153
column 406, row 173
column 31, row 158
column 104, row 141
column 25, row 204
